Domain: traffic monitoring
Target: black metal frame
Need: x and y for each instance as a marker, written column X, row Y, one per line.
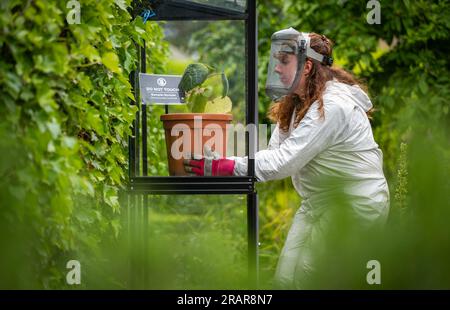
column 142, row 184
column 185, row 10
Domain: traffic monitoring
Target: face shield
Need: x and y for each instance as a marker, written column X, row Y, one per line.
column 288, row 54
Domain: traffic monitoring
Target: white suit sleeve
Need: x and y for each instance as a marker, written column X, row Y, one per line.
column 312, row 135
column 276, row 138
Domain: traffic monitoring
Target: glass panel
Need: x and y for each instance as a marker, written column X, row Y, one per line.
column 237, row 5
column 220, row 45
column 197, row 242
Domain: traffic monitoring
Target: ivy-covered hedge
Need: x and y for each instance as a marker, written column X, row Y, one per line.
column 65, row 119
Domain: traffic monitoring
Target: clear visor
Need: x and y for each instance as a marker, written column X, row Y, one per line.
column 283, row 64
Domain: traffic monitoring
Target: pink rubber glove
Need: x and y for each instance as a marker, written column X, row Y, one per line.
column 218, row 167
column 210, row 165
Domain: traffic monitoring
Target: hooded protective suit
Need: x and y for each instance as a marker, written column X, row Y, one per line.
column 340, row 145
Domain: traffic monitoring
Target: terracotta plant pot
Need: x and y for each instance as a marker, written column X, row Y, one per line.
column 187, row 133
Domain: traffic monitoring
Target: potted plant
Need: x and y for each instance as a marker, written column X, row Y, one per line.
column 205, row 91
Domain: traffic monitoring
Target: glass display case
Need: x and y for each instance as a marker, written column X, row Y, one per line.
column 222, row 34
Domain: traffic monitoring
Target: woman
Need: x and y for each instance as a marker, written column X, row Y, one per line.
column 323, row 133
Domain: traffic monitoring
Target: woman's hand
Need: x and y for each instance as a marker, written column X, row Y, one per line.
column 209, row 165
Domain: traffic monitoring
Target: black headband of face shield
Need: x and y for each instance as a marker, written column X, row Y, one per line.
column 327, row 61
column 292, row 50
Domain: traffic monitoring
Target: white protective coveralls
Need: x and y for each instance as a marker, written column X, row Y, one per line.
column 339, row 145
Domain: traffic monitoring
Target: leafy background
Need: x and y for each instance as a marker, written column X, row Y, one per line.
column 65, row 119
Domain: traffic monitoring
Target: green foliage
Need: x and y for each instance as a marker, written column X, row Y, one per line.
column 66, row 118
column 194, row 75
column 156, row 143
column 222, row 43
column 204, row 86
column 401, row 191
column 200, row 242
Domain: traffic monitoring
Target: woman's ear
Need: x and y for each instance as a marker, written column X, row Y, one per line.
column 307, row 68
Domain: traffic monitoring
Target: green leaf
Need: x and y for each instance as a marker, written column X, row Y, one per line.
column 194, row 75
column 45, row 98
column 111, row 61
column 69, row 142
column 54, row 128
column 423, row 86
column 115, row 224
column 85, row 82
column 91, row 53
column 94, row 121
column 225, row 85
column 213, row 86
column 197, row 103
column 121, row 4
column 13, row 84
column 218, row 105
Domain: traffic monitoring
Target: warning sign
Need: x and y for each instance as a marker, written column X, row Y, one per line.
column 160, row 89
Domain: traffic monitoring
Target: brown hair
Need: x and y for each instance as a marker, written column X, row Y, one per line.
column 282, row 110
